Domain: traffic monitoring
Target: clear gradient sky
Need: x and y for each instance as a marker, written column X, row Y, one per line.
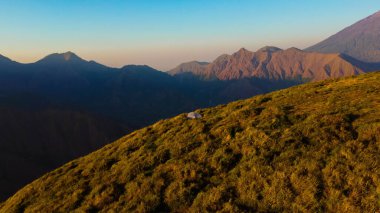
column 164, row 33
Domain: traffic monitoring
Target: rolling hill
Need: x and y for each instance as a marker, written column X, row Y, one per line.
column 360, row 41
column 271, row 63
column 310, row 148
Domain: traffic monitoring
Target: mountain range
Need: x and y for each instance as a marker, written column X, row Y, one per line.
column 272, row 63
column 63, row 107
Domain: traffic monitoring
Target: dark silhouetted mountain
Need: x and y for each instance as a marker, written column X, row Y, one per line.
column 271, row 63
column 310, row 148
column 69, row 59
column 360, row 41
column 60, row 58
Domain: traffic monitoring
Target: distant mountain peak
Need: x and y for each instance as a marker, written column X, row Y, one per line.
column 243, row 50
column 242, row 53
column 293, row 49
column 62, row 58
column 68, row 55
column 132, row 66
column 269, row 49
column 360, row 40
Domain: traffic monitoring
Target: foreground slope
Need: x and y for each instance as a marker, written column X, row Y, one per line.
column 271, row 63
column 308, row 148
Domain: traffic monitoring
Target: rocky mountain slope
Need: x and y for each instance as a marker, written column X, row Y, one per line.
column 272, row 63
column 360, row 41
column 308, row 148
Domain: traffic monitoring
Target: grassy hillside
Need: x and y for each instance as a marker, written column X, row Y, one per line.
column 311, row 148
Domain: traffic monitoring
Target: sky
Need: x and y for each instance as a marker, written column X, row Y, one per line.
column 165, row 33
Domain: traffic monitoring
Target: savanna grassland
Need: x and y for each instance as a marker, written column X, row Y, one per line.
column 310, row 148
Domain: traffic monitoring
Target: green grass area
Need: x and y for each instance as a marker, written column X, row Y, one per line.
column 310, row 148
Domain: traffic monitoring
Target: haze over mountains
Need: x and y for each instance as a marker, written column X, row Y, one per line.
column 105, row 103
